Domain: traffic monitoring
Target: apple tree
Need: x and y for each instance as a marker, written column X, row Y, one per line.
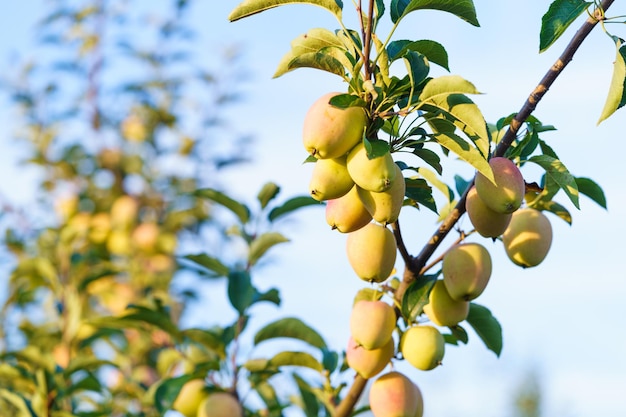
column 124, row 134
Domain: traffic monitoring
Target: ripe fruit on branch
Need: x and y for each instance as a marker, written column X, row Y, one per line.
column 442, row 309
column 506, row 195
column 330, row 132
column 330, row 179
column 395, row 395
column 371, row 252
column 423, row 347
column 374, row 174
column 372, row 323
column 487, row 222
column 369, row 362
column 466, row 271
column 347, row 213
column 528, row 238
column 385, row 206
column 220, row 404
column 191, row 395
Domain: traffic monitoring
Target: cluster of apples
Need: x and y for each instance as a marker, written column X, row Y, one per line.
column 363, row 194
column 194, row 401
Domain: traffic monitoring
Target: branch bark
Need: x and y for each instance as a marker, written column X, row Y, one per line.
column 417, row 263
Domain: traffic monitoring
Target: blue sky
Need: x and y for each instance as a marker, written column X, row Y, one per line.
column 563, row 319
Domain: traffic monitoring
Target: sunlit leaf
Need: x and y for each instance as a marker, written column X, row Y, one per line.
column 463, row 9
column 486, row 326
column 290, row 327
column 557, row 19
column 560, row 175
column 433, row 179
column 287, row 358
column 617, row 89
column 249, row 7
column 262, row 244
column 268, row 192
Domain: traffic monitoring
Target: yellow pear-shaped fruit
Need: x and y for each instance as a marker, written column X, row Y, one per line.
column 220, row 404
column 385, row 206
column 507, row 194
column 528, row 238
column 330, row 132
column 442, row 309
column 395, row 395
column 372, row 252
column 190, row 397
column 376, row 174
column 330, row 179
column 124, row 211
column 372, row 323
column 347, row 213
column 466, row 270
column 488, row 223
column 369, row 362
column 423, row 347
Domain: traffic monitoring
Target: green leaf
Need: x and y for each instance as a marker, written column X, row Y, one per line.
column 315, row 41
column 560, row 175
column 417, row 67
column 459, row 334
column 592, row 190
column 207, row 338
column 268, row 192
column 416, row 297
column 249, row 7
column 433, row 51
column 552, row 207
column 17, row 401
column 430, row 157
column 419, row 191
column 317, row 60
column 272, row 296
column 241, row 293
column 159, row 318
column 463, row 9
column 311, row 405
column 210, row 263
column 290, row 327
column 443, row 86
column 486, row 326
column 330, row 360
column 287, row 358
column 376, row 148
column 262, row 244
column 168, row 390
column 461, row 184
column 291, row 205
column 343, row 101
column 617, row 90
column 557, row 19
column 239, row 209
column 432, row 178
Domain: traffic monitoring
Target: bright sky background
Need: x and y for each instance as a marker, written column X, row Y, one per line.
column 562, row 319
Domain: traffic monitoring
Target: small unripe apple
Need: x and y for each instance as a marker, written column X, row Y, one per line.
column 395, row 395
column 507, row 194
column 191, row 395
column 442, row 309
column 145, row 236
column 369, row 362
column 330, row 179
column 347, row 213
column 375, row 174
column 487, row 222
column 372, row 323
column 385, row 206
column 466, row 270
column 423, row 347
column 528, row 238
column 371, row 252
column 124, row 211
column 330, row 132
column 220, row 404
